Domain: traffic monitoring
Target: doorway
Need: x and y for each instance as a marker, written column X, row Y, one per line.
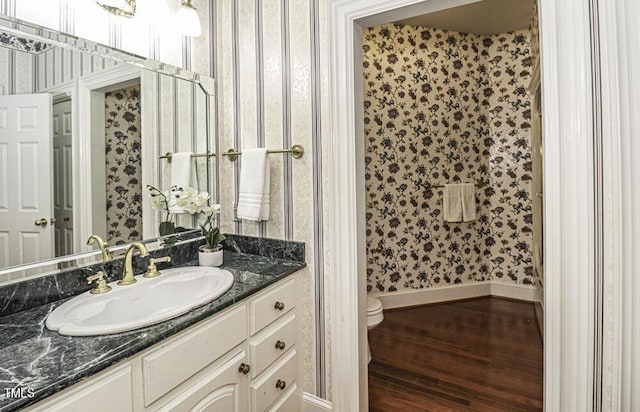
column 568, row 202
column 62, row 175
column 446, row 102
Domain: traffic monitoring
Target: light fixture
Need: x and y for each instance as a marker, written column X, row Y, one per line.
column 123, row 8
column 187, row 20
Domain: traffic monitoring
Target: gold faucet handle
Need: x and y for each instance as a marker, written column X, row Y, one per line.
column 152, row 270
column 101, row 283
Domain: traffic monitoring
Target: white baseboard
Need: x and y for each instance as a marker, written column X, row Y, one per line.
column 519, row 292
column 416, row 297
column 311, row 403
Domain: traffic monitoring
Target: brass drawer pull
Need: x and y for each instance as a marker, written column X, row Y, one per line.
column 280, row 345
column 281, row 384
column 279, row 306
column 244, row 368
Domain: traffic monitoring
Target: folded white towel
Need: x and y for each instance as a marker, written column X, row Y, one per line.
column 452, row 203
column 468, row 191
column 459, row 202
column 181, row 176
column 181, row 169
column 255, row 185
column 265, row 210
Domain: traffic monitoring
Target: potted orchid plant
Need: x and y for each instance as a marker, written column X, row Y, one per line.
column 192, row 201
column 165, row 202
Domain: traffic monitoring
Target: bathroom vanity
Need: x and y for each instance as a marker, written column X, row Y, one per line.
column 236, row 353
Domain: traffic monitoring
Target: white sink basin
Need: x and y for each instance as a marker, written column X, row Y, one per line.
column 175, row 292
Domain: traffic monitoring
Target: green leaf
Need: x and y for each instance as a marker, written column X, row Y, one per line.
column 167, row 228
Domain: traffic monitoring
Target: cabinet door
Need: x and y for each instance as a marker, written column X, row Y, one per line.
column 222, row 389
column 111, row 391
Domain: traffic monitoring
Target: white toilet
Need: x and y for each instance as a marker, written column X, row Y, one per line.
column 374, row 317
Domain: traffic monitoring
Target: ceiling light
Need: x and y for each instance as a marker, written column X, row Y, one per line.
column 187, row 20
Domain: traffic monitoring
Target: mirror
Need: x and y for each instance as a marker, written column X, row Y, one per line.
column 84, row 129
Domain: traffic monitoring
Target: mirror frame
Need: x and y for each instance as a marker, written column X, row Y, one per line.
column 58, row 39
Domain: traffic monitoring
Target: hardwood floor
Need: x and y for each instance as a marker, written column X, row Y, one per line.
column 477, row 355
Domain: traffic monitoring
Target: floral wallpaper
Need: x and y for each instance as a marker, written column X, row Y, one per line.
column 124, row 165
column 443, row 107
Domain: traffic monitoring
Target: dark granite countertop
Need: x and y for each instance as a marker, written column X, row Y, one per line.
column 41, row 362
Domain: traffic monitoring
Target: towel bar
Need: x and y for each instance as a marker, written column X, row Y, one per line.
column 169, row 155
column 297, row 151
column 437, row 186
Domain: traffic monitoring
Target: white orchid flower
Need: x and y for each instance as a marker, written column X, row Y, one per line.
column 185, row 197
column 157, row 202
column 201, row 198
column 212, row 209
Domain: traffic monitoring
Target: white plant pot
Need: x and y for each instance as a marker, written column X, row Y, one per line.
column 210, row 257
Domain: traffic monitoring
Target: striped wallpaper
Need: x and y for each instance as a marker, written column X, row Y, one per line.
column 268, row 78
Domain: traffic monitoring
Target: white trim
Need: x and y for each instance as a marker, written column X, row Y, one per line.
column 568, row 204
column 416, row 297
column 70, row 88
column 311, row 403
column 621, row 311
column 426, row 296
column 149, row 152
column 569, row 242
column 519, row 292
column 82, row 145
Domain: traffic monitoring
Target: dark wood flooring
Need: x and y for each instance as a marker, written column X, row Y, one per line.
column 476, row 355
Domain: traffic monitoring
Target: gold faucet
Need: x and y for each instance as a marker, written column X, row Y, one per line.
column 106, row 254
column 127, row 272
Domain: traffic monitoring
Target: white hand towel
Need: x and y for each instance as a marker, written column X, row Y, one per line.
column 468, row 191
column 265, row 210
column 181, row 166
column 254, row 196
column 181, row 169
column 452, row 203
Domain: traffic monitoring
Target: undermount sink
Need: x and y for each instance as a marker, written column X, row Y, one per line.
column 175, row 292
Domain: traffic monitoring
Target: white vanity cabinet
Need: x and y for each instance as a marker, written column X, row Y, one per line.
column 241, row 359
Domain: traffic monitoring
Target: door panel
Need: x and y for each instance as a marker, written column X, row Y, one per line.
column 62, row 167
column 4, row 249
column 4, row 177
column 223, row 388
column 25, row 178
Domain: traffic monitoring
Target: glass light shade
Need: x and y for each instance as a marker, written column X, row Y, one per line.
column 187, row 21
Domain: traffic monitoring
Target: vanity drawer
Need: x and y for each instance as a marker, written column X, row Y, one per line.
column 175, row 362
column 271, row 343
column 288, row 402
column 271, row 306
column 264, row 390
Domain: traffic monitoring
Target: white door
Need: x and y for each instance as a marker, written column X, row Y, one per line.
column 26, row 206
column 62, row 178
